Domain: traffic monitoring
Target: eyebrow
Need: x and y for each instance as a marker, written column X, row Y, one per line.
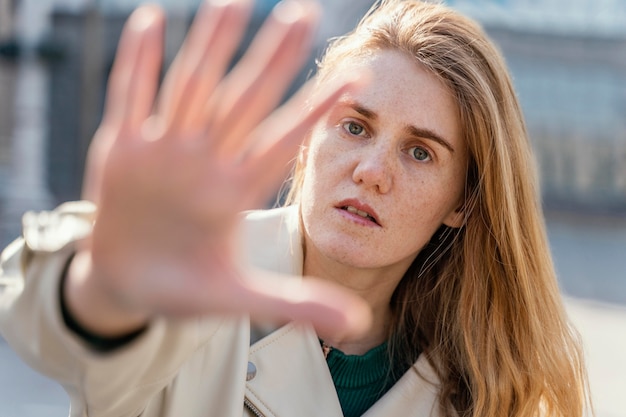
column 420, row 132
column 429, row 134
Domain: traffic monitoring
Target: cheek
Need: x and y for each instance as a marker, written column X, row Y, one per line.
column 321, row 164
column 426, row 206
column 314, row 181
column 311, row 172
column 456, row 187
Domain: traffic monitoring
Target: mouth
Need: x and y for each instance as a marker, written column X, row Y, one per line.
column 360, row 212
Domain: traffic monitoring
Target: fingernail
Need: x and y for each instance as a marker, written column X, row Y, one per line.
column 144, row 17
column 222, row 3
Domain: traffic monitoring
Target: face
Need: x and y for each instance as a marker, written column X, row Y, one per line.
column 384, row 168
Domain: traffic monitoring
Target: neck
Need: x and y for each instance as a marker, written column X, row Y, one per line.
column 375, row 286
column 377, row 335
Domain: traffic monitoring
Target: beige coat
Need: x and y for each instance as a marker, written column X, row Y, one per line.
column 192, row 368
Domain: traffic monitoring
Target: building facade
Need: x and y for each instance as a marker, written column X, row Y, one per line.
column 568, row 60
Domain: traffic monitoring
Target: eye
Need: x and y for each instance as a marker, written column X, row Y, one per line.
column 419, row 153
column 354, row 128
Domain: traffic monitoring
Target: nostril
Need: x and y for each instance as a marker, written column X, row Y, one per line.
column 376, row 175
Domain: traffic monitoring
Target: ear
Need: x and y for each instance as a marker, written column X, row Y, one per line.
column 455, row 218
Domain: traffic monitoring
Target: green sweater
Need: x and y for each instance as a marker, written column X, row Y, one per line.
column 361, row 380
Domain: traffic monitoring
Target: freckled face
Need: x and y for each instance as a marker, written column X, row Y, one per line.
column 384, row 169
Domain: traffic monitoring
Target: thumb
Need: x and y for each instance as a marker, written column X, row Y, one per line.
column 330, row 308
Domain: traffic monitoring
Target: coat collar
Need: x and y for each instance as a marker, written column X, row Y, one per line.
column 280, row 249
column 293, row 380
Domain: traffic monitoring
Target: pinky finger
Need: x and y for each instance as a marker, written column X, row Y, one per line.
column 145, row 80
column 132, row 83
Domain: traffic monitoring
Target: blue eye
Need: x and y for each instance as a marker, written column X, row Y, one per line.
column 420, row 154
column 354, row 128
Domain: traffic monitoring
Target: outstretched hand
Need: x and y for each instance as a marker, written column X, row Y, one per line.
column 170, row 170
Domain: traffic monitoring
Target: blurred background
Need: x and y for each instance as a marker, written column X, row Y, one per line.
column 568, row 60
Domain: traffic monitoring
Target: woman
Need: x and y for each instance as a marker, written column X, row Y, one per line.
column 413, row 202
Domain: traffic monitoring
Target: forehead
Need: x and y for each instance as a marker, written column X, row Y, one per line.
column 404, row 91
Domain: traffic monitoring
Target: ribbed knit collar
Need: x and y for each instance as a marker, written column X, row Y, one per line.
column 359, row 371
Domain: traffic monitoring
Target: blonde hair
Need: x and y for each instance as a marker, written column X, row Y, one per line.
column 481, row 301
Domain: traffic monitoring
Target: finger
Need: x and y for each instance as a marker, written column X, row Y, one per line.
column 145, row 79
column 202, row 61
column 279, row 137
column 264, row 295
column 119, row 100
column 258, row 83
column 129, row 94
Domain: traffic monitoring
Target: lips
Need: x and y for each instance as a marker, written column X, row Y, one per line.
column 360, row 209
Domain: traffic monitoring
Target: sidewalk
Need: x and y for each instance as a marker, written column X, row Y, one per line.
column 603, row 328
column 23, row 393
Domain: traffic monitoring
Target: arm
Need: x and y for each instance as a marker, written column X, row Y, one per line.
column 116, row 384
column 169, row 171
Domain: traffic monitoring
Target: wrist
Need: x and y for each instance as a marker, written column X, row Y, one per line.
column 91, row 306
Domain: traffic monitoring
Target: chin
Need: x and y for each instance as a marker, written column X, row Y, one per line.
column 355, row 256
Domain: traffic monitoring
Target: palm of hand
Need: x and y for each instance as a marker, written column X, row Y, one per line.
column 169, row 180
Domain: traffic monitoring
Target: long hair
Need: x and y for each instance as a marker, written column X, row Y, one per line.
column 482, row 301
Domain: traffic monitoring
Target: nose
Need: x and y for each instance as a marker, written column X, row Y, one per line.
column 374, row 169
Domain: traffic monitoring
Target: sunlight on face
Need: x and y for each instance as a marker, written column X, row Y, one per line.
column 385, row 168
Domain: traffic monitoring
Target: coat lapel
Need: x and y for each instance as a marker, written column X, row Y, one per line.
column 292, row 377
column 414, row 395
